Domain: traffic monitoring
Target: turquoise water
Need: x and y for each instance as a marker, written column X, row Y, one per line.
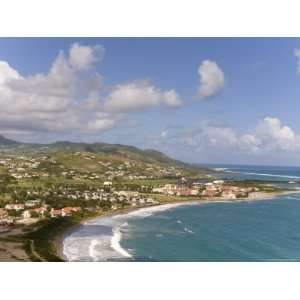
column 245, row 231
column 264, row 230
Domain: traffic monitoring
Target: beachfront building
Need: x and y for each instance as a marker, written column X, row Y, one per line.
column 68, row 211
column 159, row 190
column 228, row 194
column 210, row 190
column 177, row 190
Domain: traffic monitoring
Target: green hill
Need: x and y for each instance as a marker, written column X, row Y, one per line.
column 117, row 154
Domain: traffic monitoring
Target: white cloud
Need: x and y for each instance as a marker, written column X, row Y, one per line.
column 172, row 99
column 61, row 100
column 269, row 139
column 270, row 135
column 83, row 57
column 273, row 135
column 138, row 96
column 67, row 97
column 212, row 79
column 7, row 72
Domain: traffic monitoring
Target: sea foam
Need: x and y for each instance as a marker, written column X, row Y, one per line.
column 115, row 242
column 262, row 174
column 86, row 245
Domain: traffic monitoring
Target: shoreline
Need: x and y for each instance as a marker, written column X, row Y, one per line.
column 259, row 196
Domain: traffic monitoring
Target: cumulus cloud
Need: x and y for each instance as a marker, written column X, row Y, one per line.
column 269, row 137
column 83, row 57
column 139, row 95
column 69, row 98
column 172, row 99
column 7, row 72
column 273, row 135
column 212, row 79
column 61, row 100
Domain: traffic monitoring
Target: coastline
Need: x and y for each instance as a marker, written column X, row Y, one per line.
column 59, row 239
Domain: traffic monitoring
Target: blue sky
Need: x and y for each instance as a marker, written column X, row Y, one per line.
column 148, row 92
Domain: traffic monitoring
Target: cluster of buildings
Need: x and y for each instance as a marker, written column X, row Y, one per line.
column 177, row 190
column 29, row 211
column 26, row 213
column 134, row 198
column 23, row 167
column 218, row 188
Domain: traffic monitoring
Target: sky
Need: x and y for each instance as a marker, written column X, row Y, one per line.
column 201, row 100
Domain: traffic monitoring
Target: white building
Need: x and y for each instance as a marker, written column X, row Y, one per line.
column 14, row 206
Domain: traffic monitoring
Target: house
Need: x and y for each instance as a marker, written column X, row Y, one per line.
column 228, row 195
column 14, row 206
column 32, row 203
column 210, row 193
column 54, row 213
column 151, row 201
column 194, row 192
column 128, row 194
column 158, row 190
column 68, row 211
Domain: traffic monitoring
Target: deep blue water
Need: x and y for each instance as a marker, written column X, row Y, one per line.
column 264, row 230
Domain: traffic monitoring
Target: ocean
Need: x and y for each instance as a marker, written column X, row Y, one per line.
column 263, row 230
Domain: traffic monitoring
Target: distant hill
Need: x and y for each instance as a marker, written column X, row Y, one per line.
column 119, row 150
column 110, row 151
column 5, row 141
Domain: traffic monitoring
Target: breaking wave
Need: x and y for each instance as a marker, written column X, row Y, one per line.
column 100, row 239
column 115, row 242
column 262, row 174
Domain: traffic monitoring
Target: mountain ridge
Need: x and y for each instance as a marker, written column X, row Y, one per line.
column 118, row 150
